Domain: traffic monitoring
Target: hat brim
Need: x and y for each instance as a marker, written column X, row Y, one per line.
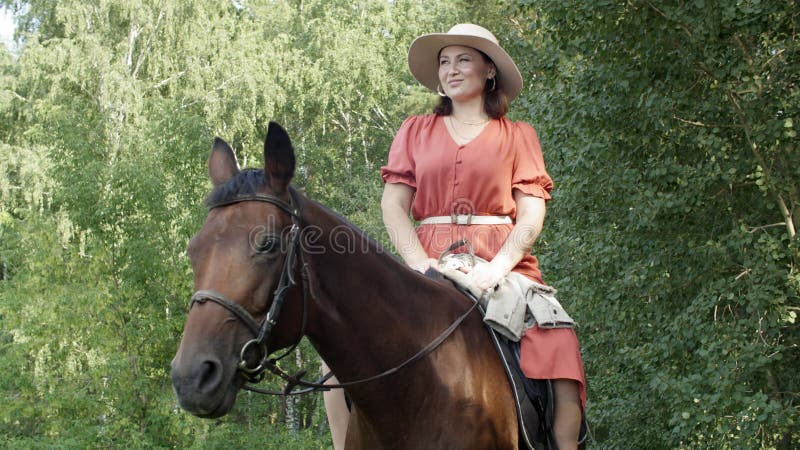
column 424, row 53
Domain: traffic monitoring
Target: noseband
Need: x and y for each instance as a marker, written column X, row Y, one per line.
column 262, row 330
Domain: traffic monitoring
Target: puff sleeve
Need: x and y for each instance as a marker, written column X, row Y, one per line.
column 529, row 174
column 400, row 167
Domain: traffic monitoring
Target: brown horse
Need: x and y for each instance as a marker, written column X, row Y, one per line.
column 363, row 310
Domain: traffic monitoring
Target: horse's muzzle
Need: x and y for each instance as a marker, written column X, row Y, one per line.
column 202, row 387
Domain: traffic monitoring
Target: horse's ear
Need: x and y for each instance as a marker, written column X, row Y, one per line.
column 278, row 158
column 222, row 165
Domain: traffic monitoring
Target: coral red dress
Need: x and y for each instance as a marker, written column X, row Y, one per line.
column 479, row 178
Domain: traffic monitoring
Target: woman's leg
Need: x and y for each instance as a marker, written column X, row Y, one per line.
column 336, row 409
column 568, row 413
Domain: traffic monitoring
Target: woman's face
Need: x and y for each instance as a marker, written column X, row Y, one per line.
column 463, row 72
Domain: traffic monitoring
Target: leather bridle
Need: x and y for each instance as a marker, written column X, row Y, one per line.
column 262, row 330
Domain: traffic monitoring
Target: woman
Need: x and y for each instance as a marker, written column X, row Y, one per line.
column 466, row 171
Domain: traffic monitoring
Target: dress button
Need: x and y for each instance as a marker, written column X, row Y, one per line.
column 458, row 161
column 455, row 183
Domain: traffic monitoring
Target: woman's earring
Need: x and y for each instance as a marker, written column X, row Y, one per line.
column 440, row 91
column 494, row 84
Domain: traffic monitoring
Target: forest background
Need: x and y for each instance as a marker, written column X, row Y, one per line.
column 668, row 127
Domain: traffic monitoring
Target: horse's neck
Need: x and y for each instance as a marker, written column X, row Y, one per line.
column 371, row 309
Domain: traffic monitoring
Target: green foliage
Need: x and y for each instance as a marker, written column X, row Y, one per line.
column 107, row 114
column 669, row 131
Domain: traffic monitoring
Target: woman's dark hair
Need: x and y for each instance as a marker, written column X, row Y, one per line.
column 495, row 100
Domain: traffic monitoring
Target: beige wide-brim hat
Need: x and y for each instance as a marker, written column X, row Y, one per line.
column 423, row 56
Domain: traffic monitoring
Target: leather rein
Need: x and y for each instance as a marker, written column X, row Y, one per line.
column 261, row 331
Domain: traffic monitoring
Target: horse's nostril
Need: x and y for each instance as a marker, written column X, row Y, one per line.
column 209, row 376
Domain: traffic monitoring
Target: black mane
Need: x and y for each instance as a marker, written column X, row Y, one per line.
column 252, row 181
column 246, row 182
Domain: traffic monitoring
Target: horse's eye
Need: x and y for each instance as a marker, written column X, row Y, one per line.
column 270, row 244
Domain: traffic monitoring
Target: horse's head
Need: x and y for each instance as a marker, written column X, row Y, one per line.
column 241, row 255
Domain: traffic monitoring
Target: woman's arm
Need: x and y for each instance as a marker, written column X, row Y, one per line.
column 395, row 206
column 530, row 219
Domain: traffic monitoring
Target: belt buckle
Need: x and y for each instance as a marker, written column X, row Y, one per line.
column 457, row 219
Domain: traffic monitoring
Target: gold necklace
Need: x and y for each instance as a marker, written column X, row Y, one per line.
column 459, row 135
column 470, row 123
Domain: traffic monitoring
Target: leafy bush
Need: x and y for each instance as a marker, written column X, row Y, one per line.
column 669, row 131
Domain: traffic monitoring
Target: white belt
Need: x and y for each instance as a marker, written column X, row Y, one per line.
column 467, row 219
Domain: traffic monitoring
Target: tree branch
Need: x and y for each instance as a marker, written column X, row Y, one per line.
column 218, row 88
column 764, row 227
column 143, row 55
column 787, row 215
column 132, row 36
column 169, row 79
column 702, row 124
column 686, row 31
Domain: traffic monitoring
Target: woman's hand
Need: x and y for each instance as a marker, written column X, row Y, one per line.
column 423, row 265
column 487, row 275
